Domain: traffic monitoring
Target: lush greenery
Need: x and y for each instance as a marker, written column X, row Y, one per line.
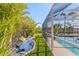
column 41, row 48
column 65, row 28
column 14, row 23
column 60, row 29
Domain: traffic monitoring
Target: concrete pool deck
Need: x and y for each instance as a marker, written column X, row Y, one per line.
column 58, row 49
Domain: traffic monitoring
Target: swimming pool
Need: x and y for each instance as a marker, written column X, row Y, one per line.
column 68, row 46
column 71, row 39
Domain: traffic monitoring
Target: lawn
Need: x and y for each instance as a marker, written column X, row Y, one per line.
column 41, row 48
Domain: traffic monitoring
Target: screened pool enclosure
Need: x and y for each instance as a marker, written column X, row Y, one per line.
column 62, row 26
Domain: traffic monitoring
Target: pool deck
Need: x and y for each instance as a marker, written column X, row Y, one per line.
column 58, row 49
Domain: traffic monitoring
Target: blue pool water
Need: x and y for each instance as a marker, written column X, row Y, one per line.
column 71, row 39
column 68, row 46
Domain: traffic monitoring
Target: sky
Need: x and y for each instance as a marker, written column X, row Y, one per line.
column 39, row 11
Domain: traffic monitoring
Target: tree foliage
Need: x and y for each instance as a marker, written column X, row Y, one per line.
column 13, row 20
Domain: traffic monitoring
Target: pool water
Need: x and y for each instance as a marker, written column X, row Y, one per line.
column 71, row 39
column 68, row 46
